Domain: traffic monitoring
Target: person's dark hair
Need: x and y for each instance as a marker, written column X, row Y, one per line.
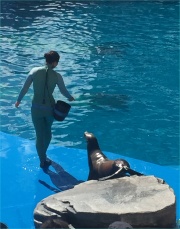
column 54, row 223
column 51, row 56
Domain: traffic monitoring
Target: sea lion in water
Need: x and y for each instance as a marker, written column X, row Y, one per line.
column 100, row 167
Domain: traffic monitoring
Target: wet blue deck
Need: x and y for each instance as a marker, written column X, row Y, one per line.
column 20, row 175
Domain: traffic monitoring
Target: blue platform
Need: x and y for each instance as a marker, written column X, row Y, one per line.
column 20, row 175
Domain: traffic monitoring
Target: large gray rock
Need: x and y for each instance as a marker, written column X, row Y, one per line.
column 141, row 201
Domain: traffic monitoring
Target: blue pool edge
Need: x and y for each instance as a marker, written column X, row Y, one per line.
column 20, row 175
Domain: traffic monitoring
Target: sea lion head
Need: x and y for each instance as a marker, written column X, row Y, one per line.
column 121, row 163
column 110, row 169
column 88, row 135
column 92, row 143
column 120, row 168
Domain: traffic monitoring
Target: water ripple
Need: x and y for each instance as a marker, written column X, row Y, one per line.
column 122, row 70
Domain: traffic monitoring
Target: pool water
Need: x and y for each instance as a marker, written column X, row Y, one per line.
column 120, row 60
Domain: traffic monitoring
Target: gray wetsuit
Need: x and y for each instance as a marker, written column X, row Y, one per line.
column 42, row 103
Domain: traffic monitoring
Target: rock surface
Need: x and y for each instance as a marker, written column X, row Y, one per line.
column 141, row 201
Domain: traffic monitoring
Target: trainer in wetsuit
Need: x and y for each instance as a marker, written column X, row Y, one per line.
column 42, row 102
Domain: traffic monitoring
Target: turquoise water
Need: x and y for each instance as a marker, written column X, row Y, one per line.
column 120, row 60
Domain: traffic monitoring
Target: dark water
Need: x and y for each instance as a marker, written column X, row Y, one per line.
column 120, row 60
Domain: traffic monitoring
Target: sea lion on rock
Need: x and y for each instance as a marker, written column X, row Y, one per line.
column 100, row 167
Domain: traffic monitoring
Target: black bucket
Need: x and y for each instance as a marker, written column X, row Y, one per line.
column 61, row 110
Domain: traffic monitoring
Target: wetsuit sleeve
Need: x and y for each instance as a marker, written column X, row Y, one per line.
column 62, row 87
column 25, row 87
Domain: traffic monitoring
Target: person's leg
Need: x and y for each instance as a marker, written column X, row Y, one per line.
column 39, row 125
column 47, row 131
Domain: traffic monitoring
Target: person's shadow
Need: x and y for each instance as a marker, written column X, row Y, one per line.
column 61, row 179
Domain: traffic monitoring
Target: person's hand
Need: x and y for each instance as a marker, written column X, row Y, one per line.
column 17, row 104
column 71, row 99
